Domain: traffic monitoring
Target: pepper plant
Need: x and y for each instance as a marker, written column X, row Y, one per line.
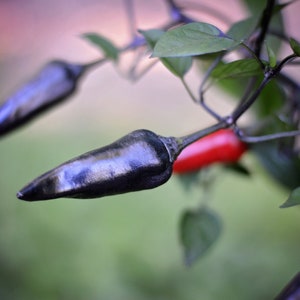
column 244, row 61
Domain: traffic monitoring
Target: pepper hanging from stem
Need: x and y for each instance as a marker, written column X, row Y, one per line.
column 138, row 161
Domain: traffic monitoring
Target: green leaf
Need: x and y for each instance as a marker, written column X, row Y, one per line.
column 282, row 167
column 198, row 231
column 271, row 100
column 295, row 46
column 241, row 30
column 272, row 56
column 152, row 36
column 179, row 66
column 110, row 51
column 293, row 199
column 193, row 39
column 237, row 69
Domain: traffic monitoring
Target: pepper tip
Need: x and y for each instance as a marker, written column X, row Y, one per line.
column 23, row 196
column 20, row 196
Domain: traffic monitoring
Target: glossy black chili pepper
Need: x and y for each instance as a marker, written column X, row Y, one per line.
column 292, row 290
column 138, row 161
column 54, row 83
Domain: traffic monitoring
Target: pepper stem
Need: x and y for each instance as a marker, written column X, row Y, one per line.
column 95, row 63
column 186, row 140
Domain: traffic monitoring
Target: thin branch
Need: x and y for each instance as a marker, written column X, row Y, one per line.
column 268, row 137
column 240, row 110
column 286, row 60
column 202, row 89
column 207, row 108
column 130, row 17
column 177, row 14
column 269, row 75
column 264, row 24
column 254, row 55
column 187, row 88
column 174, row 10
column 95, row 63
column 134, row 75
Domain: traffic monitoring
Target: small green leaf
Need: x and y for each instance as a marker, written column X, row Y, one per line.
column 193, row 39
column 272, row 56
column 237, row 69
column 179, row 66
column 294, row 199
column 152, row 36
column 198, row 231
column 110, row 51
column 241, row 30
column 295, row 46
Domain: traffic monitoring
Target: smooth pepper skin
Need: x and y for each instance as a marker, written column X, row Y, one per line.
column 54, row 83
column 138, row 161
column 222, row 146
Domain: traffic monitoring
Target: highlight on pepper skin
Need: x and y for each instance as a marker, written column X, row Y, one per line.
column 138, row 161
column 54, row 83
column 222, row 146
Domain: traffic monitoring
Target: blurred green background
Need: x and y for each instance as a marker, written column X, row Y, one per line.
column 122, row 247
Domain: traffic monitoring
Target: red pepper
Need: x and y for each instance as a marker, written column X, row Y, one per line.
column 222, row 146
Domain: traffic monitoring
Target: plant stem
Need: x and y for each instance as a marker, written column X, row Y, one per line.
column 253, row 54
column 239, row 111
column 268, row 137
column 285, row 61
column 202, row 89
column 176, row 13
column 264, row 24
column 187, row 88
column 184, row 141
column 130, row 17
column 95, row 63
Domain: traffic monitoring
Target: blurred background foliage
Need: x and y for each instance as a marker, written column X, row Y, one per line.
column 124, row 247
